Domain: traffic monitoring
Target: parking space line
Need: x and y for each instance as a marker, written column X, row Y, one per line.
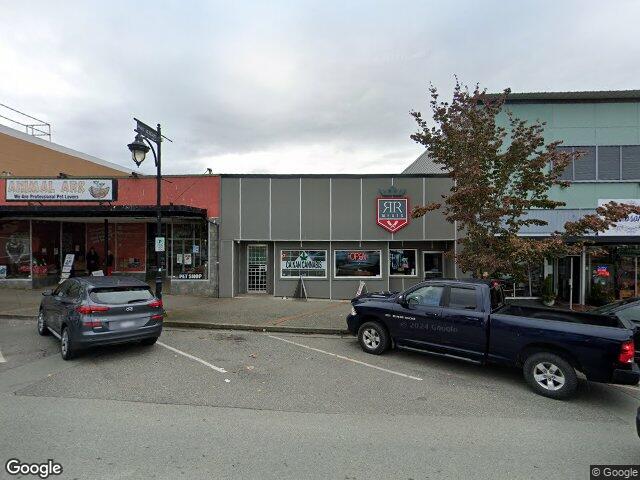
column 2, row 360
column 188, row 355
column 342, row 357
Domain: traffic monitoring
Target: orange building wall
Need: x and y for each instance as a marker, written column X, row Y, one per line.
column 23, row 158
column 200, row 191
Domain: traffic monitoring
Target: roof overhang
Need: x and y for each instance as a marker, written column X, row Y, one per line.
column 174, row 211
column 602, row 96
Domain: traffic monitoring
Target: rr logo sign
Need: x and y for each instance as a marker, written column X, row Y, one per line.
column 393, row 213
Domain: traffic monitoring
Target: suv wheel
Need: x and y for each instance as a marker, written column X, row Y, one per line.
column 42, row 324
column 373, row 338
column 550, row 375
column 67, row 350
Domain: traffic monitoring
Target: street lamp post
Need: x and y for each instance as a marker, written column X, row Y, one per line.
column 139, row 148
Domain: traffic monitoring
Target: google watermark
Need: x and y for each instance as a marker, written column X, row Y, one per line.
column 614, row 472
column 42, row 470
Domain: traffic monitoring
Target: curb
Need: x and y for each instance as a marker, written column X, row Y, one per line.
column 255, row 328
column 223, row 326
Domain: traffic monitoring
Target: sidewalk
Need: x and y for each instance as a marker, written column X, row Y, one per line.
column 241, row 313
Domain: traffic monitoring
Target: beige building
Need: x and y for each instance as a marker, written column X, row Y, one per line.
column 25, row 155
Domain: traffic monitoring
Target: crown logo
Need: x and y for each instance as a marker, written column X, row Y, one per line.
column 392, row 191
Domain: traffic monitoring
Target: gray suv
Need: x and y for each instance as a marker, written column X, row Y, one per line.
column 86, row 311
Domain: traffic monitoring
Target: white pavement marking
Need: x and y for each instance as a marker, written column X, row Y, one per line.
column 188, row 355
column 2, row 360
column 342, row 357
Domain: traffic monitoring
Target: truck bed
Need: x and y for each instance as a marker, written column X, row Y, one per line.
column 561, row 315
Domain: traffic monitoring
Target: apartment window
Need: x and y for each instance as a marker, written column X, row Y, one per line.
column 604, row 163
column 630, row 158
column 609, row 163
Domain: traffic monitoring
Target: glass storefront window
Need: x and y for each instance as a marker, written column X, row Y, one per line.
column 15, row 249
column 95, row 240
column 189, row 251
column 130, row 251
column 530, row 287
column 74, row 239
column 357, row 263
column 303, row 263
column 612, row 273
column 45, row 245
column 402, row 263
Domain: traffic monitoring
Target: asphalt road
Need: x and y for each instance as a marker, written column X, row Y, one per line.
column 216, row 404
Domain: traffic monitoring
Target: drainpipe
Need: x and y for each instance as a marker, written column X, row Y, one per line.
column 583, row 275
column 217, row 265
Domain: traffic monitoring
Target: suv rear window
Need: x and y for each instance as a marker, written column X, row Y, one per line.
column 120, row 295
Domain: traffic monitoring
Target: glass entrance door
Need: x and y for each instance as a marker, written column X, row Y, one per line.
column 569, row 279
column 256, row 268
column 433, row 264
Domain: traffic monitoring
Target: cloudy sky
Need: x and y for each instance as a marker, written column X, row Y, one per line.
column 291, row 86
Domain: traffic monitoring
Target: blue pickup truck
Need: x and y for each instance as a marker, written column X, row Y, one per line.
column 469, row 319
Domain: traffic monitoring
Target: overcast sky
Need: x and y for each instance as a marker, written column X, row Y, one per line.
column 292, row 87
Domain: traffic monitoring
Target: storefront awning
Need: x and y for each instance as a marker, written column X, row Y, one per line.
column 168, row 211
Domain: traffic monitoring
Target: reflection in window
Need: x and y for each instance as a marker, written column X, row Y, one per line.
column 464, row 298
column 15, row 249
column 429, row 295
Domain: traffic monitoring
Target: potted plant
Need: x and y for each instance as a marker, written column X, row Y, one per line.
column 548, row 294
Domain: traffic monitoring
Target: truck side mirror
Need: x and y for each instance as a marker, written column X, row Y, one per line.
column 402, row 300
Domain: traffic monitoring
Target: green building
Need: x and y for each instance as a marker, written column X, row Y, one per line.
column 605, row 126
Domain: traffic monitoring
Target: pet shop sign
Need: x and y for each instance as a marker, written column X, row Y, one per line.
column 627, row 227
column 60, row 190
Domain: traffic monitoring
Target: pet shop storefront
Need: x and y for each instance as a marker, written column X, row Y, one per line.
column 106, row 226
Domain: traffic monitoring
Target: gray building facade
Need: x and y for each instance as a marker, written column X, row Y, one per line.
column 273, row 229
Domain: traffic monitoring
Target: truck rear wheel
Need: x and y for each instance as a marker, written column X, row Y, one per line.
column 373, row 337
column 550, row 375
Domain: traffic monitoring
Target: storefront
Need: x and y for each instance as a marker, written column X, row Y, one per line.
column 606, row 269
column 229, row 235
column 333, row 231
column 108, row 225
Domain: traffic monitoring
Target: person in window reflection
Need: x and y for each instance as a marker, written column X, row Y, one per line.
column 92, row 260
column 109, row 262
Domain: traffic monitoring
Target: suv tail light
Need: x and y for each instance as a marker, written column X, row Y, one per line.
column 156, row 304
column 627, row 351
column 89, row 309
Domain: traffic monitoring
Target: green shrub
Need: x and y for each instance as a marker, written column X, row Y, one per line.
column 601, row 294
column 548, row 295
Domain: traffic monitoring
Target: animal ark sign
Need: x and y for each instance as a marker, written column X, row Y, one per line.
column 60, row 190
column 392, row 210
